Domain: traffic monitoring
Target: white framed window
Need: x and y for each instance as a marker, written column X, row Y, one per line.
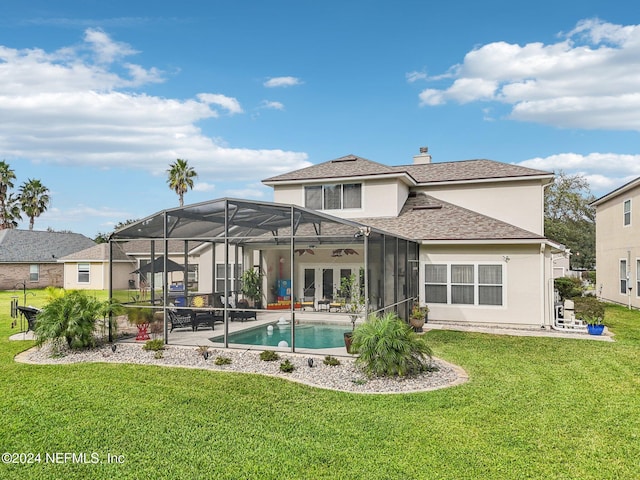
column 464, row 284
column 435, row 283
column 623, row 277
column 83, row 273
column 626, row 213
column 233, row 283
column 490, row 284
column 337, row 196
column 34, row 273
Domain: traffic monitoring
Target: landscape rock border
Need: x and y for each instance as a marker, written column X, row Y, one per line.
column 345, row 377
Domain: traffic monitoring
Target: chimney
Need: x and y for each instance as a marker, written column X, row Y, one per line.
column 423, row 157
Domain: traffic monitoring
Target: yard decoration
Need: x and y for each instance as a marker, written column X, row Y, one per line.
column 141, row 317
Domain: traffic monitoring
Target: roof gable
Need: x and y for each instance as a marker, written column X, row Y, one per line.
column 347, row 166
column 618, row 191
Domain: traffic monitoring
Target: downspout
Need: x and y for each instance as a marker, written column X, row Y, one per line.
column 543, row 297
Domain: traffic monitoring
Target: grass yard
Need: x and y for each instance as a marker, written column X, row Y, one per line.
column 533, row 408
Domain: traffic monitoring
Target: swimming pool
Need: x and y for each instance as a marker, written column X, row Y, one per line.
column 307, row 336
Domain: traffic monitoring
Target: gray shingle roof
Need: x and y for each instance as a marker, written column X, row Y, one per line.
column 98, row 253
column 466, row 170
column 353, row 166
column 424, row 217
column 22, row 246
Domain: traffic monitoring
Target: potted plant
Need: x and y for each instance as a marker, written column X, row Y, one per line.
column 141, row 317
column 252, row 286
column 591, row 311
column 418, row 316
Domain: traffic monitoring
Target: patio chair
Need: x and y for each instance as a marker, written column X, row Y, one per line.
column 246, row 314
column 180, row 319
column 30, row 313
column 309, row 299
column 206, row 318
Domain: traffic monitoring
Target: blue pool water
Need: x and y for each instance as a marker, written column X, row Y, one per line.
column 307, row 336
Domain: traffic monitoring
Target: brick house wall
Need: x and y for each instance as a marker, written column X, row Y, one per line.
column 12, row 274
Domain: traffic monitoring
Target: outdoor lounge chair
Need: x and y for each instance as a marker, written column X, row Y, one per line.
column 245, row 314
column 180, row 319
column 30, row 314
column 206, row 318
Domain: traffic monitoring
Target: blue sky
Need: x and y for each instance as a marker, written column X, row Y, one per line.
column 98, row 98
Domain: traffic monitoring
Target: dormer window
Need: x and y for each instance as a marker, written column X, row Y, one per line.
column 337, row 196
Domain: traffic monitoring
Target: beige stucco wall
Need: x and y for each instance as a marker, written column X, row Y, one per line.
column 380, row 198
column 526, row 280
column 615, row 242
column 98, row 276
column 518, row 203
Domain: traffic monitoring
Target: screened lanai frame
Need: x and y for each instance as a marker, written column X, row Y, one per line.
column 389, row 262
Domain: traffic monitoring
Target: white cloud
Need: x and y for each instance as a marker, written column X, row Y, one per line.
column 229, row 103
column 106, row 50
column 203, row 187
column 282, row 82
column 603, row 171
column 415, row 76
column 69, row 107
column 587, row 80
column 271, row 105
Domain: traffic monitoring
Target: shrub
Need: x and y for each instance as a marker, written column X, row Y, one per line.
column 287, row 366
column 387, row 346
column 568, row 287
column 589, row 309
column 332, row 361
column 222, row 361
column 70, row 317
column 154, row 345
column 269, row 356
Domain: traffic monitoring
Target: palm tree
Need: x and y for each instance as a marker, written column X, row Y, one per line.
column 34, row 199
column 7, row 176
column 181, row 177
column 10, row 212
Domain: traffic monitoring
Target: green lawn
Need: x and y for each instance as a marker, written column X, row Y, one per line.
column 533, row 408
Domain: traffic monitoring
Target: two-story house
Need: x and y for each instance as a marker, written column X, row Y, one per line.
column 618, row 245
column 466, row 238
column 483, row 256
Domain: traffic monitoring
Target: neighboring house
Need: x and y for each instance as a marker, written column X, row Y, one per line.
column 480, row 224
column 31, row 257
column 618, row 245
column 89, row 268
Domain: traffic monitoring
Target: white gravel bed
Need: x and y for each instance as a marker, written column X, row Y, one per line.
column 344, row 377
